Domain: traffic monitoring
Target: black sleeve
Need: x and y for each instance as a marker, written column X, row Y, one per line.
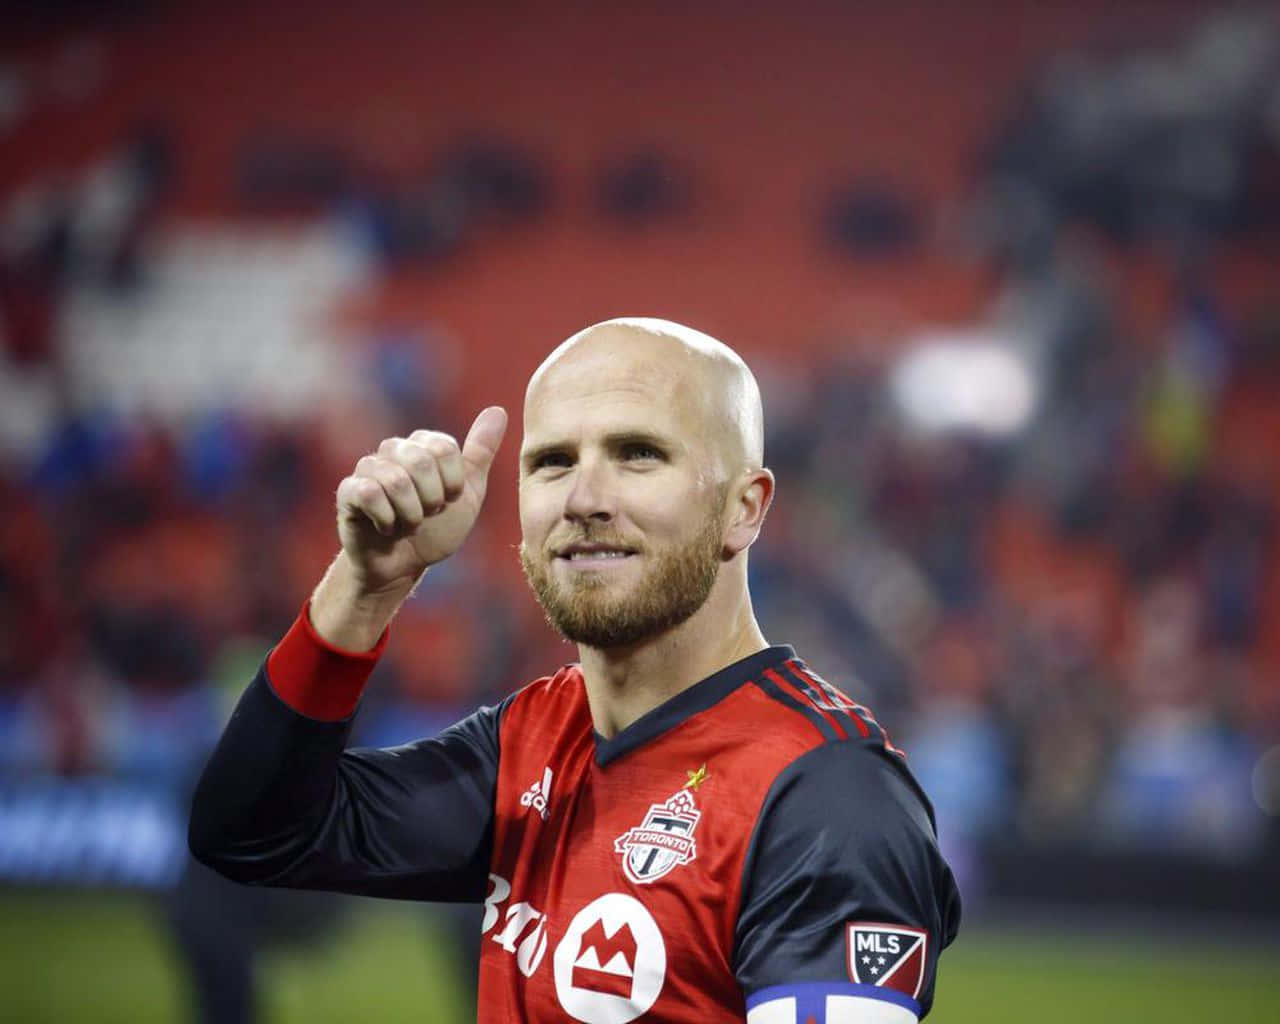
column 282, row 803
column 844, row 864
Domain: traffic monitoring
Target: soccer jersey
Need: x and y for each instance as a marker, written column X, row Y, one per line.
column 752, row 849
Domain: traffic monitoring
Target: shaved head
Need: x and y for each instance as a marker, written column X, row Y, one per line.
column 641, row 484
column 684, row 363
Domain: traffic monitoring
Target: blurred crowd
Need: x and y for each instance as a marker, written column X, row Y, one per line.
column 1065, row 626
column 1066, row 623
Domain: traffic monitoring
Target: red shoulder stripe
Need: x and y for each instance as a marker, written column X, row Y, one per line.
column 804, row 709
column 860, row 713
column 802, row 695
column 831, row 696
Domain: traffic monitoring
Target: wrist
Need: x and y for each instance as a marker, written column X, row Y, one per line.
column 316, row 678
column 348, row 612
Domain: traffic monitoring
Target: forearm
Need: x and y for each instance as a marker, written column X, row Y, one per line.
column 274, row 773
column 281, row 803
column 266, row 788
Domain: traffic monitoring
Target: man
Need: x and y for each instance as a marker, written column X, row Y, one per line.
column 689, row 825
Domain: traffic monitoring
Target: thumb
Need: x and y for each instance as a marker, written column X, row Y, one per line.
column 482, row 443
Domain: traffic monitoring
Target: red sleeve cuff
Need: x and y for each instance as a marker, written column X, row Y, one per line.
column 315, row 678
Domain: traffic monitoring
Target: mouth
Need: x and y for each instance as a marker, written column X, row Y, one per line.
column 594, row 554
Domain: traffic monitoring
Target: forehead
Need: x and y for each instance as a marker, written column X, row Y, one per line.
column 617, row 381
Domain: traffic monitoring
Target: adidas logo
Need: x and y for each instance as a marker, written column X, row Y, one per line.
column 536, row 796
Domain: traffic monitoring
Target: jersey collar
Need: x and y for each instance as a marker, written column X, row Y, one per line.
column 687, row 703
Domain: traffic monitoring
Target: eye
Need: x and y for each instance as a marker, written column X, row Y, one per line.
column 552, row 460
column 640, row 450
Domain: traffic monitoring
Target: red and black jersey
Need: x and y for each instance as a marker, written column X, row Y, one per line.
column 752, row 849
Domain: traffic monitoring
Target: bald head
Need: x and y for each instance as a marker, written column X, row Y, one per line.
column 677, row 367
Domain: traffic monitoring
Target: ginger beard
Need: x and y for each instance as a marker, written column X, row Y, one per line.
column 677, row 584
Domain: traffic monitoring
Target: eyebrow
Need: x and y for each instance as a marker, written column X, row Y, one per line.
column 617, row 439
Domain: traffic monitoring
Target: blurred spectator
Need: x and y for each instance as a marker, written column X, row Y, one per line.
column 871, row 219
column 643, row 186
column 276, row 173
column 499, row 182
column 1180, row 770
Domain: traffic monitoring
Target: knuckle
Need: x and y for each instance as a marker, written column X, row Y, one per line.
column 435, row 441
column 421, row 469
column 367, row 489
column 442, row 446
column 399, row 481
column 415, row 458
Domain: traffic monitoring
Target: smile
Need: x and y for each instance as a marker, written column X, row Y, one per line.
column 589, row 555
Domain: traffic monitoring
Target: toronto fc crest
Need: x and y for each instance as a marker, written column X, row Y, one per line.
column 664, row 841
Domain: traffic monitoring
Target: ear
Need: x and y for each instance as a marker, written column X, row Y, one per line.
column 748, row 503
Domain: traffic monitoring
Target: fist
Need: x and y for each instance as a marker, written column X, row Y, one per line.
column 414, row 501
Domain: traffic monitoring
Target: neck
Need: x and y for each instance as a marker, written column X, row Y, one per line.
column 625, row 683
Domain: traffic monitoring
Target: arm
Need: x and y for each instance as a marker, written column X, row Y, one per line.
column 846, row 900
column 280, row 802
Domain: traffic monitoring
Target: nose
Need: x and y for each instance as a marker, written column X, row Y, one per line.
column 591, row 496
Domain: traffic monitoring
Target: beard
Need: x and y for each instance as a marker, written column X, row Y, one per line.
column 676, row 586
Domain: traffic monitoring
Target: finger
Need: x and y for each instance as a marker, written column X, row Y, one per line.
column 397, row 486
column 482, row 443
column 444, row 449
column 427, row 437
column 363, row 497
column 424, row 471
column 388, row 446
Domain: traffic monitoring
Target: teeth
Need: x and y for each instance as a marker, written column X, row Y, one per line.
column 575, row 555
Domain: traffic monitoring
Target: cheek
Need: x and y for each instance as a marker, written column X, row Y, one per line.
column 673, row 511
column 537, row 514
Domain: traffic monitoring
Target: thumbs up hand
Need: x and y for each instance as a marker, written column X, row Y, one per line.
column 413, row 502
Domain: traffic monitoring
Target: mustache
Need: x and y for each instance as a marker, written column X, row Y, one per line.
column 607, row 537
